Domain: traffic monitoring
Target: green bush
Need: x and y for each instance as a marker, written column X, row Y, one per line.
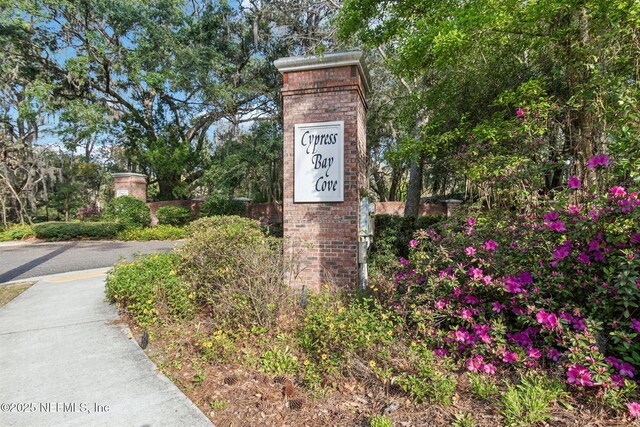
column 149, row 289
column 393, row 234
column 174, row 215
column 222, row 206
column 336, row 327
column 237, row 270
column 528, row 402
column 76, row 230
column 129, row 211
column 161, row 232
column 16, row 232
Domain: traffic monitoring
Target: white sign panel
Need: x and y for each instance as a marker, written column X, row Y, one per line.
column 122, row 193
column 319, row 162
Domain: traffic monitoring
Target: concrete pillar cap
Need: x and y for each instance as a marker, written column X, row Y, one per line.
column 329, row 60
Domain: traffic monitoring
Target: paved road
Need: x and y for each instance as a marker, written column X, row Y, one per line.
column 65, row 363
column 22, row 261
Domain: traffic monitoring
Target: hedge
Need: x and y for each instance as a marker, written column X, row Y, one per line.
column 174, row 215
column 393, row 233
column 77, row 230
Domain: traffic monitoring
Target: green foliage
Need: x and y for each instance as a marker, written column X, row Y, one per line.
column 174, row 215
column 16, row 232
column 214, row 206
column 617, row 398
column 128, row 211
column 431, row 381
column 219, row 347
column 277, row 362
column 218, row 405
column 464, row 419
column 528, row 402
column 483, row 386
column 161, row 232
column 237, row 270
column 393, row 234
column 380, row 421
column 76, row 230
column 150, row 290
column 335, row 326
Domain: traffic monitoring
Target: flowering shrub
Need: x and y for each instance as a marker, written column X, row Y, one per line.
column 558, row 285
column 92, row 212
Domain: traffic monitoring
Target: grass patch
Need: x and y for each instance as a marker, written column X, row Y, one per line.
column 9, row 292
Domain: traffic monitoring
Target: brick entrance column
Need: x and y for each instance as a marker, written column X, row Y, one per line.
column 130, row 184
column 324, row 103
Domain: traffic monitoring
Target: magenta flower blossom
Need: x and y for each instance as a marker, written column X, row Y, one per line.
column 490, row 245
column 618, row 191
column 634, row 409
column 635, row 325
column 404, row 262
column 579, row 375
column 471, row 222
column 475, row 273
column 574, row 182
column 487, row 280
column 488, row 368
column 413, row 243
column 496, row 306
column 595, row 161
column 627, row 370
column 554, row 354
column 519, row 113
column 547, row 320
column 466, row 314
column 470, row 251
column 534, row 353
column 510, row 357
column 474, row 363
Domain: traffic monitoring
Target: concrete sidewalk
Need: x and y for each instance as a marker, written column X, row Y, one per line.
column 62, row 363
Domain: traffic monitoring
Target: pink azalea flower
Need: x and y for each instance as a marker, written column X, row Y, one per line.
column 554, row 354
column 488, row 368
column 413, row 243
column 470, row 251
column 466, row 314
column 404, row 262
column 519, row 113
column 474, row 363
column 487, row 280
column 490, row 245
column 634, row 409
column 534, row 353
column 496, row 306
column 618, row 191
column 510, row 357
column 635, row 325
column 574, row 182
column 579, row 375
column 475, row 273
column 440, row 304
column 595, row 161
column 471, row 222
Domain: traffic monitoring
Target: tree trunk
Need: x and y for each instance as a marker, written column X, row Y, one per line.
column 412, row 206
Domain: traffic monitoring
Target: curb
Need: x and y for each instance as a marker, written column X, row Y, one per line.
column 58, row 275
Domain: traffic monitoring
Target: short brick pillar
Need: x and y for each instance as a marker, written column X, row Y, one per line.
column 130, row 184
column 324, row 104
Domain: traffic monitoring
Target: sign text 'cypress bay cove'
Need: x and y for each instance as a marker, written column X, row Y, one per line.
column 319, row 158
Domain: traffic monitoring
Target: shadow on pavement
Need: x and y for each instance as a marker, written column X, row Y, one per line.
column 13, row 273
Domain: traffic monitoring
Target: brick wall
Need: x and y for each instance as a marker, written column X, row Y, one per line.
column 397, row 208
column 266, row 213
column 325, row 233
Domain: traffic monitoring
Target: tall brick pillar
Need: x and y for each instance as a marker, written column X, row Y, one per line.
column 324, row 163
column 130, row 184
